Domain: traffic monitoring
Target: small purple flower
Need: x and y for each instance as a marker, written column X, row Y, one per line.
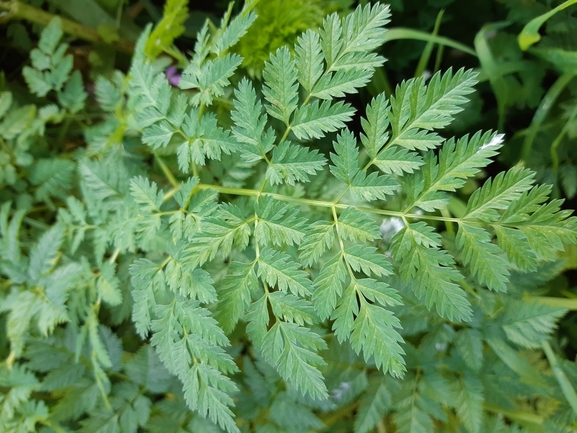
column 173, row 76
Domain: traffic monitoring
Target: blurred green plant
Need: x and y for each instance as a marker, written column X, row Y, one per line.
column 192, row 257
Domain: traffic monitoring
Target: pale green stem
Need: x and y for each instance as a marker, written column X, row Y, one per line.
column 114, row 255
column 175, row 183
column 321, row 203
column 542, row 111
column 561, row 377
column 515, row 415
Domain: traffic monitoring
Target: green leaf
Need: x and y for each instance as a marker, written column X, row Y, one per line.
column 373, row 407
column 369, row 327
column 292, row 309
column 50, row 36
column 148, row 282
column 53, row 177
column 281, row 88
column 515, row 244
column 158, row 135
column 107, row 92
column 331, row 38
column 354, row 225
column 73, row 96
column 38, row 82
column 278, row 269
column 151, row 89
column 456, row 162
column 108, row 284
column 314, row 120
column 328, row 286
column 547, row 229
column 206, row 390
column 236, row 289
column 205, row 139
column 410, row 416
column 528, row 324
column 319, row 237
column 397, row 160
column 483, row 257
column 368, row 260
column 375, row 125
column 227, row 228
column 146, row 194
column 372, row 187
column 211, row 79
column 363, row 29
column 341, row 82
column 43, row 254
column 469, row 345
column 278, row 223
column 197, row 358
column 231, row 31
column 430, row 271
column 168, row 28
column 435, row 106
column 308, row 59
column 498, row 194
column 346, row 159
column 292, row 349
column 189, row 282
column 469, row 399
column 250, row 123
column 292, row 163
column 5, row 102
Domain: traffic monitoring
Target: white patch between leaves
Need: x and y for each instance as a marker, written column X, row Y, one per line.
column 495, row 141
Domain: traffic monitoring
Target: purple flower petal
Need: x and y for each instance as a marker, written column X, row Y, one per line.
column 173, row 76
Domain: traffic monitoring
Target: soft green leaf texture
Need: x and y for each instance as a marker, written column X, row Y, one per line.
column 237, row 255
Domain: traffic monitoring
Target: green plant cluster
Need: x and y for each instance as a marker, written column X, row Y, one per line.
column 201, row 262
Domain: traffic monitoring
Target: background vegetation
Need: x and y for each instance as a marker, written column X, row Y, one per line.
column 525, row 52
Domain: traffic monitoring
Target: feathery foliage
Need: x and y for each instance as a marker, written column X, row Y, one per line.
column 207, row 266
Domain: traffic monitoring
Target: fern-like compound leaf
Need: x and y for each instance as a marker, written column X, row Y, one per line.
column 236, row 289
column 497, row 194
column 278, row 223
column 278, row 269
column 250, row 124
column 281, row 88
column 397, row 160
column 368, row 260
column 483, row 257
column 293, row 349
column 456, row 162
column 211, row 79
column 319, row 237
column 355, row 225
column 316, row 119
column 329, row 286
column 376, row 124
column 416, row 247
column 528, row 324
column 470, row 398
column 291, row 163
column 309, row 59
column 373, row 406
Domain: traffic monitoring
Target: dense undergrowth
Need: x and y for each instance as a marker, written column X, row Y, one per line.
column 287, row 219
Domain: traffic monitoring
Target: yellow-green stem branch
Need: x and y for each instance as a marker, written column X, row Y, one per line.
column 321, row 203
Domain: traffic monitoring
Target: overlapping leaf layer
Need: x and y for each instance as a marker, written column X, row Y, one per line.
column 265, row 267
